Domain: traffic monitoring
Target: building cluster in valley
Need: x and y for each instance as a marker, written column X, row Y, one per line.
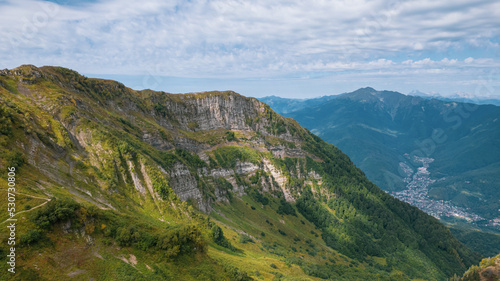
column 416, row 194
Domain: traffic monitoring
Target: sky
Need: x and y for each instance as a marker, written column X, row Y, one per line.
column 296, row 49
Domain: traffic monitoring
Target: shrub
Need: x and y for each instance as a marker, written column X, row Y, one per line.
column 32, row 237
column 286, row 208
column 55, row 211
column 124, row 235
column 193, row 126
column 258, row 197
column 278, row 277
column 311, row 252
column 245, row 239
column 147, row 241
column 230, row 136
column 183, row 240
column 160, row 183
column 219, row 238
column 14, row 159
column 235, row 274
column 192, row 159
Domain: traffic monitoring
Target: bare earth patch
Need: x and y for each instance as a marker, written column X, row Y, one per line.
column 76, row 272
column 133, row 259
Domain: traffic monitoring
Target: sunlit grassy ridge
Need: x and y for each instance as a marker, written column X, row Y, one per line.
column 147, row 185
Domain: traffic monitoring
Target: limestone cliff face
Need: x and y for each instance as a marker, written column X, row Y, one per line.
column 209, row 112
column 185, row 185
column 218, row 110
column 280, row 179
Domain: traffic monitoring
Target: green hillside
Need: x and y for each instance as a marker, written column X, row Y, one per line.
column 117, row 184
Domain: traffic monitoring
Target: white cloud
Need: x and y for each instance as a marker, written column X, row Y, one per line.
column 231, row 38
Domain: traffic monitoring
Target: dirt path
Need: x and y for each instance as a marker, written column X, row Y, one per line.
column 67, row 158
column 32, row 196
column 48, row 200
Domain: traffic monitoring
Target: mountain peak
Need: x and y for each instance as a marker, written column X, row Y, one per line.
column 366, row 89
column 363, row 91
column 371, row 95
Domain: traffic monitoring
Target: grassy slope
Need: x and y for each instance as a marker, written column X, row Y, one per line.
column 37, row 115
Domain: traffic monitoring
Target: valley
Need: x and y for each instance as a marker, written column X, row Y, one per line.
column 441, row 156
column 417, row 193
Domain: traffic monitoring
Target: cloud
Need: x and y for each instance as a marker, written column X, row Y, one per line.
column 241, row 39
column 469, row 60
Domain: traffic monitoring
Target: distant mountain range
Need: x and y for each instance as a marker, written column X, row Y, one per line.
column 459, row 97
column 442, row 156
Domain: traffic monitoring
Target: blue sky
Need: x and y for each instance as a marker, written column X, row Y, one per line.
column 258, row 48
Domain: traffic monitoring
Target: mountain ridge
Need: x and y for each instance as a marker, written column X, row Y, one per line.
column 208, row 185
column 459, row 97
